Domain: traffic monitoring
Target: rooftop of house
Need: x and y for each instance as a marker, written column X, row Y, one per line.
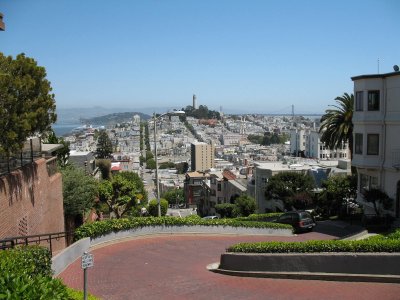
column 197, row 174
column 370, row 76
column 228, row 175
column 49, row 148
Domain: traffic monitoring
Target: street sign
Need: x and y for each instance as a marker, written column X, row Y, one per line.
column 87, row 260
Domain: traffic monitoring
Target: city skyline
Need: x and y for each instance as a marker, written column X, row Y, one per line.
column 246, row 57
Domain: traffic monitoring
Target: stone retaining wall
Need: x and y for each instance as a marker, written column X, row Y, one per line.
column 75, row 251
column 348, row 263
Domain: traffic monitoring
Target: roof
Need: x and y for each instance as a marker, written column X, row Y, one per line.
column 116, row 167
column 371, row 76
column 196, row 174
column 217, row 174
column 228, row 175
column 49, row 148
column 238, row 186
column 79, row 153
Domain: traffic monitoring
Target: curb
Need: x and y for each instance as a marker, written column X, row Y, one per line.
column 308, row 275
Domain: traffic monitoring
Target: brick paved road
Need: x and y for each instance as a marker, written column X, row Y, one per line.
column 174, row 267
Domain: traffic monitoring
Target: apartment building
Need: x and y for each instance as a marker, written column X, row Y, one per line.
column 298, row 141
column 307, row 142
column 202, row 156
column 257, row 185
column 376, row 120
column 195, row 189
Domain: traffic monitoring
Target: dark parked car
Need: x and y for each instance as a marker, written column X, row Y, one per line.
column 300, row 220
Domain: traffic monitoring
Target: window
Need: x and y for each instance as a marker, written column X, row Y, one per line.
column 373, row 100
column 359, row 101
column 219, row 187
column 373, row 144
column 368, row 182
column 358, row 143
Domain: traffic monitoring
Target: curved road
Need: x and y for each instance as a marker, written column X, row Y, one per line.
column 174, row 267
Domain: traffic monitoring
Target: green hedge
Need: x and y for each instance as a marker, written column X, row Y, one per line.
column 261, row 217
column 379, row 243
column 25, row 273
column 30, row 260
column 97, row 229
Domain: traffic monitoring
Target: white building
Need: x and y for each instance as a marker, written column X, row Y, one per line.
column 376, row 120
column 307, row 141
column 261, row 174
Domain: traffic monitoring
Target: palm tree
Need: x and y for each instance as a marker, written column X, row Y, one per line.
column 336, row 123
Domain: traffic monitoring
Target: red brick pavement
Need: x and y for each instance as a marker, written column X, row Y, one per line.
column 174, row 267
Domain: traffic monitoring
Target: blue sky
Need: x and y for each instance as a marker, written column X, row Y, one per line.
column 246, row 56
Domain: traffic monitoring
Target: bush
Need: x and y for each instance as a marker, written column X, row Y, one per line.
column 153, row 207
column 25, row 273
column 22, row 286
column 245, row 205
column 30, row 260
column 114, row 225
column 389, row 243
column 269, row 217
column 78, row 295
column 225, row 210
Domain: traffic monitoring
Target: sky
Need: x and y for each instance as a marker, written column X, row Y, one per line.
column 250, row 56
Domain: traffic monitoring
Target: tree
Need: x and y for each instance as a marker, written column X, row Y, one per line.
column 286, row 185
column 245, row 205
column 336, row 189
column 337, row 125
column 149, row 155
column 153, row 207
column 225, row 210
column 167, row 165
column 79, row 194
column 379, row 199
column 151, row 164
column 121, row 193
column 27, row 106
column 174, row 196
column 63, row 153
column 104, row 145
column 182, row 167
column 104, row 166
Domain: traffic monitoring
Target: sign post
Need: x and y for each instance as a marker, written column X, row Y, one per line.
column 87, row 262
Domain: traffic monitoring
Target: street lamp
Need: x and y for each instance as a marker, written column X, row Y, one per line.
column 155, row 119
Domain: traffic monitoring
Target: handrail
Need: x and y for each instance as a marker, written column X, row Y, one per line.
column 12, row 242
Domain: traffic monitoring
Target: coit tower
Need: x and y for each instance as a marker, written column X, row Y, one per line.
column 194, row 102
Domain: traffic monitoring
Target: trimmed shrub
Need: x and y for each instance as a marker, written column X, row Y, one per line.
column 389, row 243
column 25, row 273
column 29, row 260
column 225, row 210
column 100, row 228
column 153, row 207
column 269, row 217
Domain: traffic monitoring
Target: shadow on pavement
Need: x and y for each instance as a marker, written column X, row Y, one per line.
column 338, row 228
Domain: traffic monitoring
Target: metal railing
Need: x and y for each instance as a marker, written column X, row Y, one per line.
column 46, row 239
column 30, row 151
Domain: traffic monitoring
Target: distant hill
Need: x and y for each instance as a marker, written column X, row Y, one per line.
column 74, row 115
column 114, row 118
